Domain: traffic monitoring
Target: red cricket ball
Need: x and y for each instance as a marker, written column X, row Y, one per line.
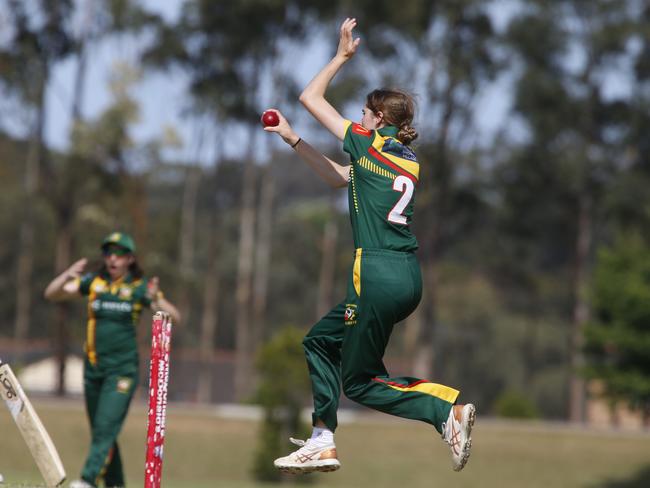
column 270, row 118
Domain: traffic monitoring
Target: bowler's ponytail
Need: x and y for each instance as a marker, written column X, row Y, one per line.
column 398, row 109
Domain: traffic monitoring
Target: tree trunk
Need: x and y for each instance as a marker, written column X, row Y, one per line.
column 580, row 309
column 79, row 80
column 63, row 258
column 577, row 387
column 25, row 264
column 243, row 365
column 412, row 331
column 65, row 209
column 209, row 318
column 186, row 241
column 262, row 258
column 134, row 195
column 326, row 275
column 23, row 281
column 424, row 358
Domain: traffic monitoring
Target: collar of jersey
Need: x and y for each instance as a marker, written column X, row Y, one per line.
column 127, row 278
column 389, row 130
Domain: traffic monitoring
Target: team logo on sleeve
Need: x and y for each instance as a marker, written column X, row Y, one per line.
column 398, row 149
column 361, row 130
column 350, row 315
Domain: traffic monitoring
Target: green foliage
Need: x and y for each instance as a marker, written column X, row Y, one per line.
column 224, row 56
column 618, row 340
column 284, row 381
column 496, row 219
column 283, row 388
column 490, row 349
column 30, row 48
column 514, row 404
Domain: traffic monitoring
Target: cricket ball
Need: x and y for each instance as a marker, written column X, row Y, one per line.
column 270, row 118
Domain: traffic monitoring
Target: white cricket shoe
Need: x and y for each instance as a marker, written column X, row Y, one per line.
column 312, row 456
column 459, row 435
column 80, row 484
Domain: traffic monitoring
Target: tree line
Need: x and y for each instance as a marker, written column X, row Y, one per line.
column 518, row 229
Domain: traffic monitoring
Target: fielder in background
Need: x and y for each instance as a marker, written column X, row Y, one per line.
column 116, row 293
column 347, row 345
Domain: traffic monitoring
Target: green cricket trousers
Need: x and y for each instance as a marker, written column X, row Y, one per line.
column 108, row 395
column 346, row 346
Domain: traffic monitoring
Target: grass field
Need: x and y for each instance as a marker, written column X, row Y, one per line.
column 202, row 450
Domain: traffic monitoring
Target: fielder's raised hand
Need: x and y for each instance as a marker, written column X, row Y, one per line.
column 76, row 269
column 66, row 285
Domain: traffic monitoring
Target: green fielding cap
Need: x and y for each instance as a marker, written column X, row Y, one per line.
column 120, row 239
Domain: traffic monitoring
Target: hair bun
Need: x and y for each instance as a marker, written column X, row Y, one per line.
column 407, row 134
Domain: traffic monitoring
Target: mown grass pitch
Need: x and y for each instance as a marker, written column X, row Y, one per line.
column 202, row 450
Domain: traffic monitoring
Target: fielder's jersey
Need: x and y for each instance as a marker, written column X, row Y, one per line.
column 383, row 177
column 113, row 313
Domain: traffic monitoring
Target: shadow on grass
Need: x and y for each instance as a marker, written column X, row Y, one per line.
column 639, row 480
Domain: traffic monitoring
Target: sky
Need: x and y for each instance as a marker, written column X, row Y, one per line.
column 161, row 95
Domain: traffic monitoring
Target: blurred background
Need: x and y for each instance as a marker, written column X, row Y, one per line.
column 532, row 214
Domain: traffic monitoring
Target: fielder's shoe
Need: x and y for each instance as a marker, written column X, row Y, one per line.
column 458, row 434
column 80, row 484
column 312, row 456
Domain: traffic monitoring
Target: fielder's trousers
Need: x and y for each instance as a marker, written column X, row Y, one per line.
column 346, row 346
column 108, row 396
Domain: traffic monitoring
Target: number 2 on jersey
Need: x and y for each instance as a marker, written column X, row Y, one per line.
column 405, row 186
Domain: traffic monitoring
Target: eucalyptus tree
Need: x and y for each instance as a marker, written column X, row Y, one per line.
column 41, row 36
column 110, row 176
column 38, row 38
column 575, row 132
column 228, row 50
column 616, row 337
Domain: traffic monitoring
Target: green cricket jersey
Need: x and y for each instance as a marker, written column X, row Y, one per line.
column 113, row 313
column 383, row 178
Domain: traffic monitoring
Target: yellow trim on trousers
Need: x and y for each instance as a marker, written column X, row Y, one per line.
column 434, row 389
column 356, row 272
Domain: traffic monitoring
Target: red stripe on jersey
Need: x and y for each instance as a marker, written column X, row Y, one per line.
column 379, row 380
column 388, row 162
